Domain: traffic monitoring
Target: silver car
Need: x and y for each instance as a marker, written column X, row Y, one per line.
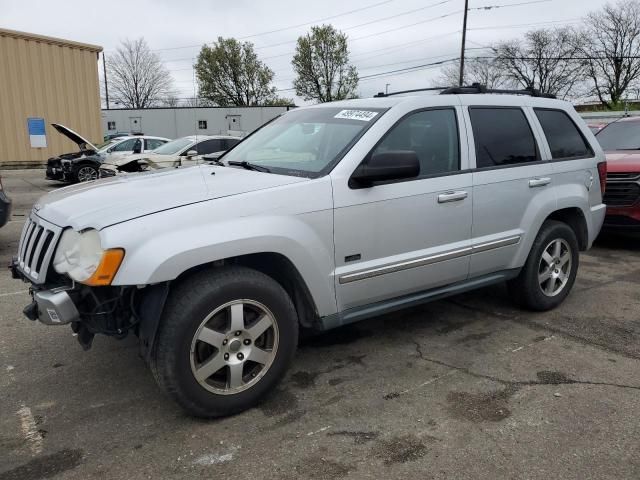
column 327, row 215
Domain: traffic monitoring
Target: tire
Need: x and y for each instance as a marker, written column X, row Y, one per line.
column 85, row 173
column 179, row 352
column 539, row 287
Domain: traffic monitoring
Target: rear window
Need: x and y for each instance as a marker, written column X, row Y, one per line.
column 563, row 137
column 502, row 137
column 620, row 136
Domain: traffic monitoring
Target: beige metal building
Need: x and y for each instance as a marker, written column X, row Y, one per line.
column 45, row 80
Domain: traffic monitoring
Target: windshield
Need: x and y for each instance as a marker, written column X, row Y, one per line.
column 105, row 145
column 173, row 147
column 305, row 142
column 620, row 136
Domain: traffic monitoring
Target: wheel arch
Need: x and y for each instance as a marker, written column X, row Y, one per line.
column 281, row 269
column 575, row 219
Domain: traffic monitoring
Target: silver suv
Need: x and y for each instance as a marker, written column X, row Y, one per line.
column 325, row 216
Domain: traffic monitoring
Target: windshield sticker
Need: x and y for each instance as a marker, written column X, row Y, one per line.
column 364, row 115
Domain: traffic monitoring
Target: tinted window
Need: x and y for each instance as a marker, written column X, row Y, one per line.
column 432, row 134
column 209, row 146
column 620, row 136
column 231, row 142
column 563, row 137
column 153, row 143
column 126, row 146
column 502, row 137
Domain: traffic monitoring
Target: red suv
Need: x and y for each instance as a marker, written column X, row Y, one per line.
column 621, row 142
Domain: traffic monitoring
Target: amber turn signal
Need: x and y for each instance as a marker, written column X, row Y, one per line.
column 106, row 271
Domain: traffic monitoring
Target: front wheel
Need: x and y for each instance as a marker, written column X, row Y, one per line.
column 225, row 339
column 551, row 268
column 85, row 173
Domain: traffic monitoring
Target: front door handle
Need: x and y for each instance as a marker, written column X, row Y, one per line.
column 452, row 196
column 539, row 182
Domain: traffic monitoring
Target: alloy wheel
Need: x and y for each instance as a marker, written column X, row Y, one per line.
column 86, row 174
column 554, row 270
column 234, row 346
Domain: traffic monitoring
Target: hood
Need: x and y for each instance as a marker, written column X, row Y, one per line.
column 118, row 160
column 82, row 142
column 623, row 161
column 114, row 200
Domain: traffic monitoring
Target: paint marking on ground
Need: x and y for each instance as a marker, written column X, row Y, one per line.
column 428, row 382
column 319, row 431
column 30, row 430
column 13, row 293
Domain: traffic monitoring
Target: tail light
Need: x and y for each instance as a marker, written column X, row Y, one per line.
column 602, row 173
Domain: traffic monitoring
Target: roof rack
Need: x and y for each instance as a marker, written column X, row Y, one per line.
column 476, row 88
column 431, row 89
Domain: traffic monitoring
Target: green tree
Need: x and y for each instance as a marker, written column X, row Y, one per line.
column 321, row 63
column 231, row 74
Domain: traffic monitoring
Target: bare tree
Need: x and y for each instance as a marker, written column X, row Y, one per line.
column 137, row 76
column 546, row 59
column 612, row 46
column 485, row 71
column 321, row 63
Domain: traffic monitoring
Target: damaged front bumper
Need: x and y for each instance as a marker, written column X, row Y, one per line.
column 112, row 311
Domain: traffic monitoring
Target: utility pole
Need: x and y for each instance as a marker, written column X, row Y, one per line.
column 106, row 85
column 464, row 38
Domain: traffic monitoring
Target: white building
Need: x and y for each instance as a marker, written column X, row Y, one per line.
column 182, row 121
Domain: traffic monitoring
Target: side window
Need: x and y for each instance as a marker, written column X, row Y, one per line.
column 209, row 146
column 126, row 146
column 230, row 143
column 153, row 143
column 502, row 137
column 564, row 138
column 432, row 134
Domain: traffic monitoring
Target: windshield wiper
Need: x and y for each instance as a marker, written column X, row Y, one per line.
column 249, row 166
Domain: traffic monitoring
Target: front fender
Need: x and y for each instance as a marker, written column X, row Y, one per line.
column 161, row 246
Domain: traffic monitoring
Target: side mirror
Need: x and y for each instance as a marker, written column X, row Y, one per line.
column 392, row 165
column 191, row 153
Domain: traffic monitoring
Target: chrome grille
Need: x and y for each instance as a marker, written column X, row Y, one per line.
column 35, row 251
column 623, row 189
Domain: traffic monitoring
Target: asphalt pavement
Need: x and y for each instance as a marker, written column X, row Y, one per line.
column 468, row 387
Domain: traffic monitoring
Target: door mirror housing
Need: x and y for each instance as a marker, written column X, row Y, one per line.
column 387, row 166
column 191, row 153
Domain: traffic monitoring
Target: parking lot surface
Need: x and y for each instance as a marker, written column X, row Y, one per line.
column 469, row 387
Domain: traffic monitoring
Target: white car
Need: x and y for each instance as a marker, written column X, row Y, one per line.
column 83, row 165
column 185, row 151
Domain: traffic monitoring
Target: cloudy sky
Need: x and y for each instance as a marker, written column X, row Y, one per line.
column 384, row 35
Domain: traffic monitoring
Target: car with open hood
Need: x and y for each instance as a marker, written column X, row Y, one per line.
column 185, row 151
column 620, row 141
column 328, row 215
column 83, row 165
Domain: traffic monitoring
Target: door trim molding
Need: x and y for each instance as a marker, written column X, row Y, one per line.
column 429, row 259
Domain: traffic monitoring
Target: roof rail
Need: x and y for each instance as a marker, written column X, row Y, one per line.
column 476, row 88
column 431, row 89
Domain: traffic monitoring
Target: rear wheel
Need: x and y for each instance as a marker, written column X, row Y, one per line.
column 85, row 173
column 226, row 338
column 551, row 268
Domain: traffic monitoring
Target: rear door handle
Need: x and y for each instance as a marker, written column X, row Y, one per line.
column 539, row 182
column 452, row 197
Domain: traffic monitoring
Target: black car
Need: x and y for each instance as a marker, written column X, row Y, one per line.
column 5, row 206
column 84, row 165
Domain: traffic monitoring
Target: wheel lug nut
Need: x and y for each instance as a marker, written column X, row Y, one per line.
column 224, row 342
column 240, row 356
column 238, row 333
column 247, row 341
column 226, row 356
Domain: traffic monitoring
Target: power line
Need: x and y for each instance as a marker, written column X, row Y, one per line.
column 493, row 27
column 408, row 26
column 316, row 21
column 493, row 7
